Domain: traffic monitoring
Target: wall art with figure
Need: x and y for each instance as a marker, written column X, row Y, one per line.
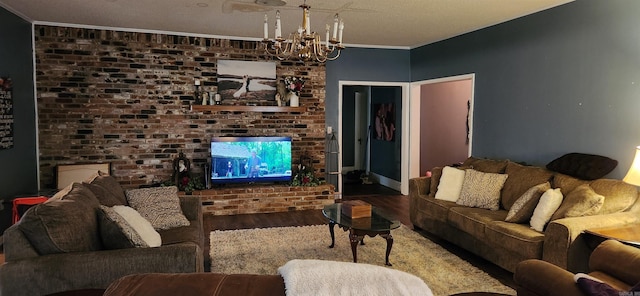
column 384, row 122
column 246, row 82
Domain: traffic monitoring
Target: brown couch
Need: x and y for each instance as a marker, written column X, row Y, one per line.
column 214, row 284
column 611, row 262
column 487, row 234
column 60, row 245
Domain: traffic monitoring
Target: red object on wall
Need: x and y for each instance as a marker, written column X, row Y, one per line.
column 25, row 201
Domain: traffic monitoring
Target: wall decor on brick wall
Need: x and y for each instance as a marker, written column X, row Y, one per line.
column 6, row 113
column 125, row 98
column 246, row 81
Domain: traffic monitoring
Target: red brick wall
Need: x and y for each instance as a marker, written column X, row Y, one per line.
column 233, row 200
column 123, row 98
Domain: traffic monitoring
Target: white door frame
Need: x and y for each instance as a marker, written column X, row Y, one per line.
column 414, row 150
column 403, row 185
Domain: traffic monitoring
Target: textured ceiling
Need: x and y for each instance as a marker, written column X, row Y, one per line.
column 369, row 23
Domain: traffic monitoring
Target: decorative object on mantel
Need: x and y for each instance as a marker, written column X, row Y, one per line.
column 304, row 175
column 181, row 171
column 294, row 87
column 304, row 45
column 197, row 93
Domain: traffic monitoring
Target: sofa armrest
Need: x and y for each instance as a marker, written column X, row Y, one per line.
column 94, row 270
column 565, row 245
column 191, row 207
column 537, row 277
column 20, row 247
column 419, row 186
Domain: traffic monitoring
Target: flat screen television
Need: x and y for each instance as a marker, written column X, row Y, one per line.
column 250, row 159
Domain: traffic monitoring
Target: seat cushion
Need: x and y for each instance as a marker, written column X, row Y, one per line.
column 436, row 209
column 518, row 238
column 474, row 220
column 191, row 233
column 67, row 223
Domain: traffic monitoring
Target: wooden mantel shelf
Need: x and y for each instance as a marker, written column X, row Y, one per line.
column 247, row 108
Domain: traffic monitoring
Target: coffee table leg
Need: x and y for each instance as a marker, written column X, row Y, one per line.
column 333, row 237
column 355, row 239
column 389, row 239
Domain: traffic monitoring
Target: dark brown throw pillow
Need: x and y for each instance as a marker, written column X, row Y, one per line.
column 583, row 166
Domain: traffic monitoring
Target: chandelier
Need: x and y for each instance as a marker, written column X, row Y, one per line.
column 304, row 45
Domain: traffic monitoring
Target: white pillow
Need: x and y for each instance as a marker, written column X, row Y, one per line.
column 450, row 184
column 140, row 225
column 549, row 202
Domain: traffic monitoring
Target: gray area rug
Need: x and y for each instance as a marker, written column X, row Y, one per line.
column 262, row 251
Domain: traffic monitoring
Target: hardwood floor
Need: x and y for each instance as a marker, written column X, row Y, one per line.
column 379, row 196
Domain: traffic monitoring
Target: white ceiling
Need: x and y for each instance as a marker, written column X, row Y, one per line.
column 368, row 23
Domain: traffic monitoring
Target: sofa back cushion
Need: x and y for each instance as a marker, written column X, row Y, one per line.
column 64, row 224
column 521, row 178
column 582, row 201
column 486, row 165
column 107, row 189
column 436, row 174
column 618, row 195
column 567, row 183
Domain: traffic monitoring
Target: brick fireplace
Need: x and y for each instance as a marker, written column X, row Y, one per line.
column 125, row 98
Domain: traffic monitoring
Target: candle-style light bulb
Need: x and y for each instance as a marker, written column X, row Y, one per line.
column 308, row 22
column 278, row 25
column 335, row 26
column 340, row 33
column 327, row 35
column 266, row 27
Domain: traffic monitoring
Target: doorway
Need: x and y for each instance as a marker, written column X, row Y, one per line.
column 443, row 113
column 382, row 160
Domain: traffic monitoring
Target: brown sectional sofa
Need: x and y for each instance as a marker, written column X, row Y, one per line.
column 485, row 232
column 60, row 245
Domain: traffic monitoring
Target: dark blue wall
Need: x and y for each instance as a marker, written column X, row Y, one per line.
column 562, row 80
column 18, row 175
column 363, row 64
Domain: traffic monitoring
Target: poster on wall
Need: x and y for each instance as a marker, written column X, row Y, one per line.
column 6, row 113
column 385, row 122
column 247, row 81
